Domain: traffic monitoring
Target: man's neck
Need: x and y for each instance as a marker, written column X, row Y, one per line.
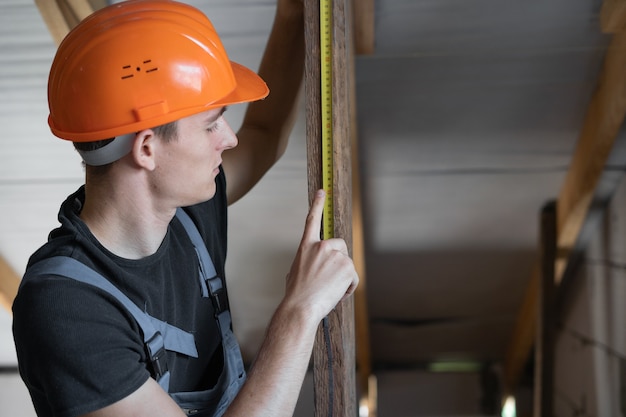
column 124, row 217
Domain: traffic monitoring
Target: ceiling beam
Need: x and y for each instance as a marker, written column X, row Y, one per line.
column 602, row 124
column 613, row 16
column 603, row 121
column 363, row 17
column 523, row 336
column 62, row 15
column 9, row 283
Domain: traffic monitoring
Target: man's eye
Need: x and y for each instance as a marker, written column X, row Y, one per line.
column 213, row 127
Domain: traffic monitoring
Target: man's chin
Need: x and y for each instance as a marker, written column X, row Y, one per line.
column 203, row 198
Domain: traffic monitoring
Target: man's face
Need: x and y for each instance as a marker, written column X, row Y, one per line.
column 187, row 166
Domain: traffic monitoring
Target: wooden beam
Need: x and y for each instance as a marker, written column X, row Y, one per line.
column 546, row 320
column 600, row 129
column 98, row 4
column 603, row 121
column 613, row 16
column 333, row 354
column 54, row 19
column 364, row 29
column 62, row 15
column 523, row 335
column 9, row 283
column 362, row 330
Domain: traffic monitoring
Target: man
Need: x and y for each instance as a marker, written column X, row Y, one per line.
column 123, row 312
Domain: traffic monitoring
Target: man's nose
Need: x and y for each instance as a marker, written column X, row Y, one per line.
column 229, row 139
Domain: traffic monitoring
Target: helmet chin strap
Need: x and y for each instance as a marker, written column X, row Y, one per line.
column 111, row 152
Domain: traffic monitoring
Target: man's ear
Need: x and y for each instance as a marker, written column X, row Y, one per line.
column 144, row 148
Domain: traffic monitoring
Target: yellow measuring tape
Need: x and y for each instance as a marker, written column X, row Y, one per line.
column 328, row 225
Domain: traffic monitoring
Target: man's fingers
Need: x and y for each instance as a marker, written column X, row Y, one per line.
column 313, row 224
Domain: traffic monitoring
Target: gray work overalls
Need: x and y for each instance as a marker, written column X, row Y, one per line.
column 159, row 336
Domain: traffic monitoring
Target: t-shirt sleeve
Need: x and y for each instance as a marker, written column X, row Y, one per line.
column 77, row 344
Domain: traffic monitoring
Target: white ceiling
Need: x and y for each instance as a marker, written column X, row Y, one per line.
column 468, row 113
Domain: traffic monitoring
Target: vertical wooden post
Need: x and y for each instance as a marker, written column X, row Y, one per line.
column 544, row 347
column 333, row 354
column 366, row 382
column 62, row 15
column 363, row 11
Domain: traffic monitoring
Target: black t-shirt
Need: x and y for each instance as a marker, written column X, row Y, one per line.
column 80, row 350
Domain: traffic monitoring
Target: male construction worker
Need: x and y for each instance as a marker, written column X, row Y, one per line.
column 123, row 312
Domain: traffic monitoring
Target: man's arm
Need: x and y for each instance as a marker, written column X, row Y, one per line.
column 148, row 400
column 267, row 123
column 321, row 275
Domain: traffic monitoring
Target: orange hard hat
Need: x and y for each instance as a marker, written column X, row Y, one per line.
column 140, row 64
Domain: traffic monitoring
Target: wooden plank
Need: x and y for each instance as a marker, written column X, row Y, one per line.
column 546, row 317
column 79, row 9
column 362, row 329
column 9, row 283
column 364, row 29
column 333, row 354
column 523, row 335
column 62, row 15
column 613, row 16
column 54, row 19
column 603, row 121
column 98, row 4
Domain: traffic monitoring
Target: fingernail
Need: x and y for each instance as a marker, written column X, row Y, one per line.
column 321, row 193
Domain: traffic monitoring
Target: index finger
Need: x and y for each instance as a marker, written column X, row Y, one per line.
column 313, row 224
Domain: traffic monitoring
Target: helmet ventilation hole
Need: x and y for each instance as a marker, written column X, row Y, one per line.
column 127, row 68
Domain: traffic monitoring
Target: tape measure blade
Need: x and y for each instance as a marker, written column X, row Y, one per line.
column 327, row 124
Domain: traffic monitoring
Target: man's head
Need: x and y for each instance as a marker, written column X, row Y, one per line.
column 136, row 65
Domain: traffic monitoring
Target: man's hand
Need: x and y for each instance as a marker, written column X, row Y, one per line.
column 322, row 273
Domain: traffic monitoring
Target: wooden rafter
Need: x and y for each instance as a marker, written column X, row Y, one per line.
column 602, row 124
column 613, row 16
column 363, row 26
column 62, row 15
column 603, row 121
column 9, row 282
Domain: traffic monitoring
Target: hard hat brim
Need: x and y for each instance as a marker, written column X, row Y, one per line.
column 250, row 87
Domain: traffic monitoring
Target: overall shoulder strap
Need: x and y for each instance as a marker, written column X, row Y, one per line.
column 210, row 282
column 158, row 336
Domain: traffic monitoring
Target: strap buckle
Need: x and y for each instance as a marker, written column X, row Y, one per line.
column 219, row 301
column 156, row 352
